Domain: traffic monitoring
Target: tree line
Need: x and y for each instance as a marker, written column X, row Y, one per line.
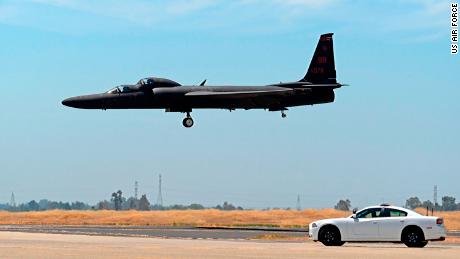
column 116, row 202
column 447, row 204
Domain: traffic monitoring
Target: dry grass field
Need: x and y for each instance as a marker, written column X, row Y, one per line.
column 273, row 218
column 451, row 218
column 211, row 217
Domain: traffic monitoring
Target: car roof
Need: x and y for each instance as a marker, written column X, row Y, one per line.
column 409, row 212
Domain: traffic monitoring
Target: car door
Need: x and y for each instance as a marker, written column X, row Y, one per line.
column 391, row 224
column 365, row 226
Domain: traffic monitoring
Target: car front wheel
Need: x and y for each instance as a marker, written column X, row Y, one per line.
column 330, row 236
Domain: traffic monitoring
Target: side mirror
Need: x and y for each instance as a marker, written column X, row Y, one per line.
column 353, row 216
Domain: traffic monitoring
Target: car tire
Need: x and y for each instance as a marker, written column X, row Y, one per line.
column 413, row 237
column 330, row 236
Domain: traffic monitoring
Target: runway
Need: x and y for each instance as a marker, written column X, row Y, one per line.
column 243, row 233
column 40, row 245
column 163, row 232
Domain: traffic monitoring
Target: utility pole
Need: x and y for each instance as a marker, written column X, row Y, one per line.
column 12, row 200
column 298, row 203
column 160, row 197
column 136, row 188
column 435, row 196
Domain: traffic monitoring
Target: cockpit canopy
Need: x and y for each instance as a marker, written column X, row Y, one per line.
column 124, row 89
column 155, row 82
column 143, row 84
column 146, row 81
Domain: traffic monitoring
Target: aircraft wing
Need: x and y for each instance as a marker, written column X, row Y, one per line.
column 230, row 94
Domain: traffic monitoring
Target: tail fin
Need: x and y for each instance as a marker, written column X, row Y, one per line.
column 322, row 66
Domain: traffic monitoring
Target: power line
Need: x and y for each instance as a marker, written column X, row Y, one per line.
column 298, row 203
column 12, row 200
column 136, row 188
column 160, row 196
column 435, row 196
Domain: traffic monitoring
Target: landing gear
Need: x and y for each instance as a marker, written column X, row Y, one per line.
column 279, row 109
column 283, row 114
column 188, row 121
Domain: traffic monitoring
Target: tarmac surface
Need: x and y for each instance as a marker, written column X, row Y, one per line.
column 168, row 232
column 41, row 245
column 163, row 232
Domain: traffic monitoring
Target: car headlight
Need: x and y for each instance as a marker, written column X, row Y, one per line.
column 314, row 225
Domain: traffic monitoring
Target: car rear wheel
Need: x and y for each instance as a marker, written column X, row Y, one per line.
column 414, row 238
column 330, row 236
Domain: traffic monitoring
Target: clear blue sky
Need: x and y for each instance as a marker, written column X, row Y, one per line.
column 392, row 134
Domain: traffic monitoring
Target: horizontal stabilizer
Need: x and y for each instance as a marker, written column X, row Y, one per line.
column 302, row 84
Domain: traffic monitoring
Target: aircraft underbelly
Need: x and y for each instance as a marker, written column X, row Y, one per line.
column 260, row 102
column 234, row 103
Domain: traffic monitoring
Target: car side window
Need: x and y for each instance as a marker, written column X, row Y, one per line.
column 369, row 213
column 362, row 214
column 385, row 213
column 397, row 213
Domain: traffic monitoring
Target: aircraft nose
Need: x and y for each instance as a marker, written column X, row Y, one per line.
column 70, row 102
column 92, row 101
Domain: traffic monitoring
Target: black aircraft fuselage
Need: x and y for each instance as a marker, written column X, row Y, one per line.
column 158, row 93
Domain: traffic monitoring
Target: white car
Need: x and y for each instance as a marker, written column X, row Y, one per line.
column 382, row 223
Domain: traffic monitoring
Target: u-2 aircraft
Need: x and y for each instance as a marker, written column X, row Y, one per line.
column 316, row 87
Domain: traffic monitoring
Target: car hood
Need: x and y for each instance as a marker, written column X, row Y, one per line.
column 326, row 221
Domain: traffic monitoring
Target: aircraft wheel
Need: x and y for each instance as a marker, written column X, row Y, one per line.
column 187, row 122
column 283, row 114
